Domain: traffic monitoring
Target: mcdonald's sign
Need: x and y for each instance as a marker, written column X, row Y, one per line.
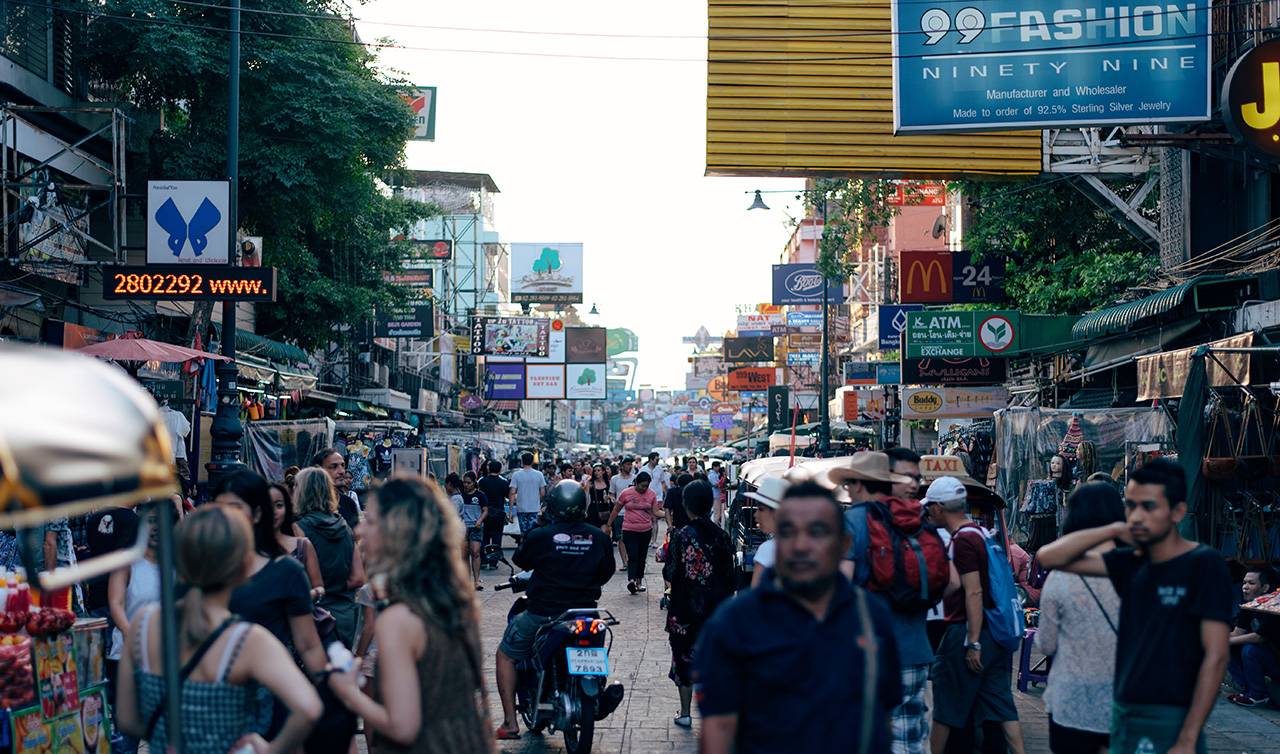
column 926, row 277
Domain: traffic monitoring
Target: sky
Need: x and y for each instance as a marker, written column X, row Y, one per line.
column 610, row 153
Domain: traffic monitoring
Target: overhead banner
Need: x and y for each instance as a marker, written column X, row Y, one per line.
column 544, row 381
column 1163, row 375
column 968, row 371
column 802, row 284
column 956, row 333
column 952, row 402
column 747, row 350
column 752, row 378
column 947, row 277
column 584, row 382
column 510, row 336
column 504, row 382
column 546, row 273
column 893, row 320
column 1005, row 64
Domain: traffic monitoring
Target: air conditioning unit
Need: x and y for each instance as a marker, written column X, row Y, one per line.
column 384, row 374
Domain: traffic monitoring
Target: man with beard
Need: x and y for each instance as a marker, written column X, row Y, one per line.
column 1175, row 610
column 805, row 661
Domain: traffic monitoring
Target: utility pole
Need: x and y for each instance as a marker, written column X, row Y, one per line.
column 824, row 419
column 551, row 428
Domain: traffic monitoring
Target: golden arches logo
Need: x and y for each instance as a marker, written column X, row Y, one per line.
column 925, row 271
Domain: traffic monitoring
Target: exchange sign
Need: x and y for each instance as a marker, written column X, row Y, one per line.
column 957, row 334
column 995, row 64
column 944, row 277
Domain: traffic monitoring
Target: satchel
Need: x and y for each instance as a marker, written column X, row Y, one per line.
column 1219, row 467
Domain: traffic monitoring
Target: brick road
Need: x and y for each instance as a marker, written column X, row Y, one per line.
column 641, row 658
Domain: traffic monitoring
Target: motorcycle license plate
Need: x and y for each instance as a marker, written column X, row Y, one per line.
column 588, row 661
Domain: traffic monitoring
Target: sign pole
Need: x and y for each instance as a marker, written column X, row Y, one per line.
column 824, row 420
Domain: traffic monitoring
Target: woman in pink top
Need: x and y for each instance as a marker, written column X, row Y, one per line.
column 640, row 506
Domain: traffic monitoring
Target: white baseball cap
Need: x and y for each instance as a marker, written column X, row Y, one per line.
column 770, row 492
column 947, row 491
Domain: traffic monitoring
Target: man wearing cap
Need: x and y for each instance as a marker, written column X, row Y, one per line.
column 767, row 497
column 868, row 479
column 971, row 672
column 625, row 477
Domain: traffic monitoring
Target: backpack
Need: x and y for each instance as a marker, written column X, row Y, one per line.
column 1005, row 619
column 909, row 563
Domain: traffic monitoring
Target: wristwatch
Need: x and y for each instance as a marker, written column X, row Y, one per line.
column 974, row 646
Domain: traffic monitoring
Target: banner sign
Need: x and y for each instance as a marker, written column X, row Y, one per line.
column 860, row 373
column 586, row 345
column 546, row 273
column 888, row 373
column 866, row 404
column 1004, row 64
column 504, row 382
column 805, row 342
column 584, row 382
column 416, row 321
column 746, row 350
column 422, row 101
column 750, row 325
column 917, row 194
column 779, row 407
column 433, row 249
column 802, row 284
column 544, row 381
column 804, row 319
column 945, row 277
column 752, row 378
column 952, row 402
column 1163, row 375
column 893, row 321
column 510, row 336
column 555, row 345
column 188, row 282
column 803, row 357
column 970, row 371
column 954, row 333
column 722, row 421
column 187, row 222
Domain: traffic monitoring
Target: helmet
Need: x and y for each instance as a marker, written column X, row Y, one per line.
column 566, row 502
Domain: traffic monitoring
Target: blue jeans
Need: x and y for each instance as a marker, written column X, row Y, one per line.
column 528, row 521
column 1250, row 667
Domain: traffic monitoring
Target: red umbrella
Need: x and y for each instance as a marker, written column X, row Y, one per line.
column 141, row 349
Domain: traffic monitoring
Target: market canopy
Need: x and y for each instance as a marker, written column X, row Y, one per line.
column 142, row 349
column 1204, row 293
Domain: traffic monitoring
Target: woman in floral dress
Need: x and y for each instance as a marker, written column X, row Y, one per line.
column 699, row 568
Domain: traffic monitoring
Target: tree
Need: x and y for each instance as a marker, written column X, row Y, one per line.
column 319, row 123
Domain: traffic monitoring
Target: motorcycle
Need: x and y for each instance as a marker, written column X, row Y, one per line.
column 563, row 685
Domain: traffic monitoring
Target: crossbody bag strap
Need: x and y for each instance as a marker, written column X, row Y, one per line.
column 187, row 670
column 1092, row 594
column 871, row 671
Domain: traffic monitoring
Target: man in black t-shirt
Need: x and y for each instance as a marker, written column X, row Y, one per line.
column 1253, row 644
column 1175, row 609
column 496, row 490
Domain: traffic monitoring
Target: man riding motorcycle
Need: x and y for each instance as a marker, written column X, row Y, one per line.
column 570, row 560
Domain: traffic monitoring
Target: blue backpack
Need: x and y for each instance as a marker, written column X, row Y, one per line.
column 1005, row 620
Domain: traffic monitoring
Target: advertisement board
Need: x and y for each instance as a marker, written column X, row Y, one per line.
column 952, row 402
column 893, row 321
column 752, row 378
column 415, row 321
column 584, row 382
column 747, row 350
column 945, row 277
column 1247, row 106
column 1004, row 64
column 888, row 373
column 758, row 324
column 964, row 371
column 422, row 101
column 863, row 404
column 779, row 407
column 546, row 273
column 803, row 357
column 544, row 381
column 956, row 333
column 504, row 382
column 188, row 282
column 860, row 372
column 556, row 344
column 586, row 345
column 806, row 320
column 802, row 284
column 187, row 222
column 510, row 336
column 917, row 194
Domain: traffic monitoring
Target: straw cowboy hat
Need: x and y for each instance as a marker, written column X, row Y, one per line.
column 867, row 467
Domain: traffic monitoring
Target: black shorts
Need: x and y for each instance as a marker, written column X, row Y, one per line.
column 959, row 694
column 1063, row 740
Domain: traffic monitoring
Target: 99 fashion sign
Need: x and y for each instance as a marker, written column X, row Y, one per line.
column 1251, row 99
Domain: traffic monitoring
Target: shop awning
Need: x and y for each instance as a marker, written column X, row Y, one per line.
column 1205, row 293
column 264, row 371
column 1117, row 351
column 254, row 344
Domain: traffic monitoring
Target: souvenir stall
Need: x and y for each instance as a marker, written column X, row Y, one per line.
column 270, row 447
column 370, row 447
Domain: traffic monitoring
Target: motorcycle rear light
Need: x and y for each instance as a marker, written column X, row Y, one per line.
column 580, row 626
column 597, row 626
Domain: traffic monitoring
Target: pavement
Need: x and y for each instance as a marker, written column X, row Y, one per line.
column 641, row 658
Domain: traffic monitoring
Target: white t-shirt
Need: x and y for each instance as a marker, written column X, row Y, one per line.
column 620, row 482
column 659, row 479
column 937, row 612
column 528, row 484
column 765, row 554
column 179, row 428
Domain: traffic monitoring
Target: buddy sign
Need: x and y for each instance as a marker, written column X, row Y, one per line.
column 1251, row 99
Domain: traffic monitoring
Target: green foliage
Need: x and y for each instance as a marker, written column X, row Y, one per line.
column 1065, row 255
column 319, row 122
column 856, row 209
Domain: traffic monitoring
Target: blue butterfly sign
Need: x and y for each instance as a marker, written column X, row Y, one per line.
column 187, row 222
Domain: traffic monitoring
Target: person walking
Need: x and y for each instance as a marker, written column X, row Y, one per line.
column 225, row 659
column 497, row 491
column 427, row 694
column 639, row 507
column 599, row 502
column 316, row 504
column 659, row 482
column 1175, row 613
column 475, row 509
column 527, row 486
column 623, row 478
column 805, row 662
column 129, row 590
column 1078, row 619
column 291, row 539
column 699, row 569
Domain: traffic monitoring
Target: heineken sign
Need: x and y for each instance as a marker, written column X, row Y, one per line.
column 959, row 334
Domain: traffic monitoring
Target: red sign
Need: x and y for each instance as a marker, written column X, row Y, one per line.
column 918, row 195
column 752, row 378
column 850, row 405
column 926, row 277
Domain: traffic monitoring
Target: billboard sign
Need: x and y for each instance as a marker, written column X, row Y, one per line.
column 888, row 373
column 917, row 194
column 584, row 382
column 188, row 282
column 802, row 284
column 779, row 407
column 752, row 378
column 504, row 382
column 860, row 373
column 952, row 402
column 546, row 273
column 586, row 345
column 434, row 249
column 544, row 381
column 510, row 336
column 422, row 101
column 758, row 324
column 964, row 371
column 956, row 333
column 747, row 350
column 1006, row 64
column 415, row 321
column 556, row 338
column 1247, row 108
column 803, row 357
column 944, row 277
column 804, row 319
column 187, row 222
column 893, row 321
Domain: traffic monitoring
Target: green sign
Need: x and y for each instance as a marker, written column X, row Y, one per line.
column 621, row 340
column 959, row 334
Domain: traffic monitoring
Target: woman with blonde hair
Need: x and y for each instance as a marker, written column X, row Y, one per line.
column 428, row 692
column 224, row 660
column 315, row 502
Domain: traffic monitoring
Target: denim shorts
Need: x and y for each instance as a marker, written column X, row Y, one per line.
column 517, row 640
column 475, row 534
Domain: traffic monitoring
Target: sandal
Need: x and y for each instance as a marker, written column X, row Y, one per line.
column 683, row 721
column 506, row 734
column 479, row 587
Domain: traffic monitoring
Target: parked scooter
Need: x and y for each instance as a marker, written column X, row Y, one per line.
column 563, row 685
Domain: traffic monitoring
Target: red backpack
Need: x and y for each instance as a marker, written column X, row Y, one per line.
column 909, row 563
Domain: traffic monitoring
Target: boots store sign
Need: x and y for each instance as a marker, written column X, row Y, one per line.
column 795, row 284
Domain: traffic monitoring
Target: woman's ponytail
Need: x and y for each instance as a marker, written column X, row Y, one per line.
column 195, row 624
column 213, row 546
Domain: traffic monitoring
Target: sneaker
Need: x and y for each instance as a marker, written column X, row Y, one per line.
column 1244, row 700
column 631, row 587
